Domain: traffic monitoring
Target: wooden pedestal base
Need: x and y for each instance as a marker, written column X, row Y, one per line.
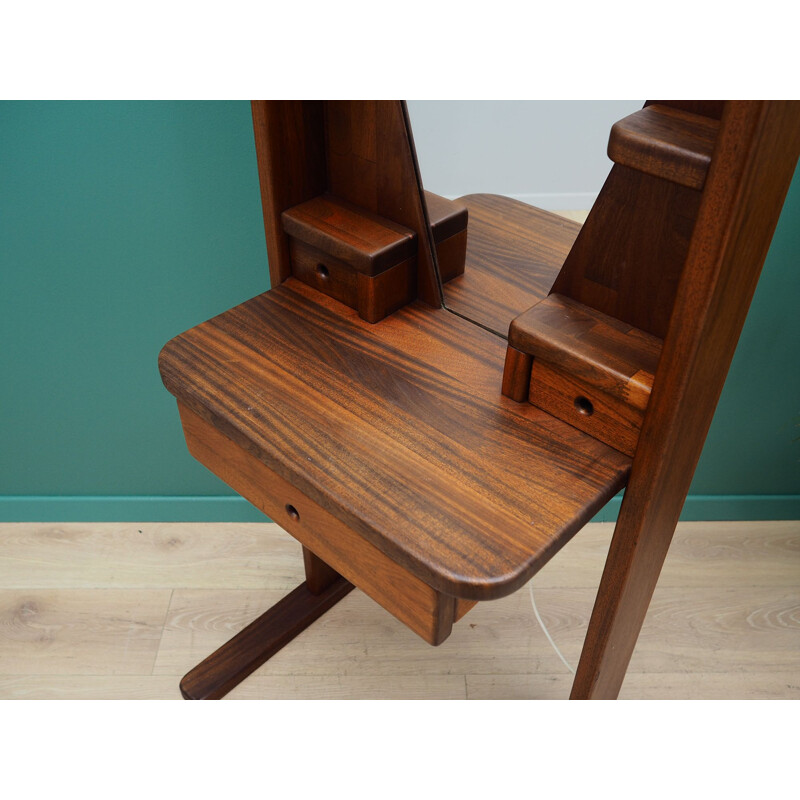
column 260, row 640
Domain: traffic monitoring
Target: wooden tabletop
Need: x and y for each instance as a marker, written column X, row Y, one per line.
column 400, row 430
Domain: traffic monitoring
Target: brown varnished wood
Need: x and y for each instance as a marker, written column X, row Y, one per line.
column 462, row 607
column 602, row 415
column 447, row 217
column 253, row 646
column 338, row 548
column 352, row 145
column 367, row 242
column 627, row 259
column 451, row 255
column 514, row 253
column 665, row 142
column 359, row 151
column 324, row 272
column 319, row 576
column 399, row 431
column 362, row 260
column 598, row 349
column 588, row 369
column 517, row 374
column 289, row 136
column 373, row 297
column 707, row 108
column 372, row 164
column 395, row 436
column 330, row 239
column 756, row 154
column 448, row 220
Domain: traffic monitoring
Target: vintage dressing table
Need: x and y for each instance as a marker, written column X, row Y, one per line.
column 436, row 395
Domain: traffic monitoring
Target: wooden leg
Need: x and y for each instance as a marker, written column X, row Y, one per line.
column 319, row 576
column 261, row 639
column 634, row 562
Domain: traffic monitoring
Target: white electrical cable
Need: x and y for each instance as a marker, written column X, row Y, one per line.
column 546, row 632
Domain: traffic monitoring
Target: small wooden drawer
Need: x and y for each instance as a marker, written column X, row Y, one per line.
column 606, row 416
column 428, row 612
column 586, row 368
column 358, row 258
column 373, row 296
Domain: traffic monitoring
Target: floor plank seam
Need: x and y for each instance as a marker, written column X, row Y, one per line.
column 163, row 629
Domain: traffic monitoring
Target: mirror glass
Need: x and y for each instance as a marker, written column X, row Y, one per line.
column 523, row 175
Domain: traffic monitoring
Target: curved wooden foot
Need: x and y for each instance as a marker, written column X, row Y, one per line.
column 260, row 640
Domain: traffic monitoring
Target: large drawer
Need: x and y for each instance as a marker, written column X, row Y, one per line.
column 426, row 611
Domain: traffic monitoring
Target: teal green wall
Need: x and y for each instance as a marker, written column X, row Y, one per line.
column 124, row 223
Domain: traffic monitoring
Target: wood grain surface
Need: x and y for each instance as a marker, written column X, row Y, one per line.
column 629, row 255
column 360, row 151
column 257, row 642
column 469, row 493
column 81, row 631
column 426, row 611
column 588, row 369
column 665, row 142
column 367, row 242
column 448, row 220
column 754, row 160
column 290, row 150
column 725, row 620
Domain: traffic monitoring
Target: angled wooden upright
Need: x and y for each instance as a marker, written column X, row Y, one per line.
column 368, row 405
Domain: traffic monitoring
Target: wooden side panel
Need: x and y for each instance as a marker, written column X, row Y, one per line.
column 427, row 612
column 371, row 164
column 291, row 168
column 629, row 255
column 756, row 154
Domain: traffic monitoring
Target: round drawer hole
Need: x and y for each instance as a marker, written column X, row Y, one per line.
column 584, row 406
column 292, row 512
column 323, row 272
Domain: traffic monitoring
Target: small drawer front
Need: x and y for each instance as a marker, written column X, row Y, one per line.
column 607, row 417
column 427, row 612
column 327, row 274
column 373, row 296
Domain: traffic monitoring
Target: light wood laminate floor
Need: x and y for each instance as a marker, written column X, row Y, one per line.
column 119, row 610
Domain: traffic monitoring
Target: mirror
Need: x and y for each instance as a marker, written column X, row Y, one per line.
column 529, row 168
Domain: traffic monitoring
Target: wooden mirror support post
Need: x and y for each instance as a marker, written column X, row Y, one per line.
column 342, row 205
column 634, row 342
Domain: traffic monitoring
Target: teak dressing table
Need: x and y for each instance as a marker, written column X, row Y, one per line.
column 436, row 395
